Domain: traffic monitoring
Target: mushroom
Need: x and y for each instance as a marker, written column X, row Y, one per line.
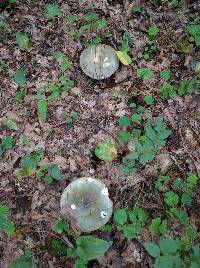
column 99, row 61
column 86, row 201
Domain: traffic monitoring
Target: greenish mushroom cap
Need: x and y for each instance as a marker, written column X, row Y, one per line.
column 99, row 61
column 87, row 202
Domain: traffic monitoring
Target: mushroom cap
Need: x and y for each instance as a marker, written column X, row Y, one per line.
column 87, row 202
column 99, row 61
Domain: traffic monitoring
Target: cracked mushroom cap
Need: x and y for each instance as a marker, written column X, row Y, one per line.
column 99, row 61
column 87, row 202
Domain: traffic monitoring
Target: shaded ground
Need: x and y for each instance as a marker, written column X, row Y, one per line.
column 34, row 205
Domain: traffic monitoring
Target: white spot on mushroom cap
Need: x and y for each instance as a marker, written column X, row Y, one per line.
column 106, row 64
column 90, row 179
column 73, row 206
column 103, row 214
column 104, row 191
column 105, row 59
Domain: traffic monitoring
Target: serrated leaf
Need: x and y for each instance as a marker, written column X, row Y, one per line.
column 7, row 122
column 152, row 249
column 29, row 164
column 120, row 216
column 129, row 231
column 124, row 58
column 150, row 132
column 20, row 77
column 153, row 30
column 9, row 227
column 105, row 150
column 169, row 245
column 51, row 11
column 164, row 262
column 123, row 137
column 146, row 73
column 124, row 121
column 65, row 64
column 54, row 172
column 22, row 39
column 57, row 54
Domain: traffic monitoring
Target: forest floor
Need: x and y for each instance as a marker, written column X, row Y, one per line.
column 97, row 105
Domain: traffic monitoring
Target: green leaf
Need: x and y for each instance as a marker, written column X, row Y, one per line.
column 123, row 137
column 29, row 164
column 133, row 156
column 54, row 172
column 101, row 24
column 152, row 249
column 19, row 96
column 136, row 118
column 165, row 74
column 89, row 247
column 120, row 216
column 65, row 64
column 181, row 215
column 57, row 54
column 148, row 100
column 7, row 122
column 154, row 226
column 153, row 30
column 105, row 150
column 3, row 210
column 70, row 18
column 22, row 262
column 192, row 179
column 6, row 143
column 186, row 198
column 9, row 227
column 42, row 109
column 169, row 245
column 22, row 39
column 20, row 77
column 146, row 73
column 50, row 11
column 146, row 156
column 171, row 198
column 164, row 262
column 129, row 231
column 136, row 132
column 150, row 132
column 164, row 134
column 59, row 226
column 124, row 121
column 91, row 16
column 80, row 263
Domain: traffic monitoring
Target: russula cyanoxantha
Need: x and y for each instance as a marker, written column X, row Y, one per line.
column 87, row 202
column 99, row 61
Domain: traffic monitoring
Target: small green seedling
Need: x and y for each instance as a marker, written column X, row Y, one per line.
column 153, row 30
column 51, row 11
column 6, row 225
column 22, row 39
column 130, row 222
column 69, row 118
column 145, row 73
column 5, row 144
